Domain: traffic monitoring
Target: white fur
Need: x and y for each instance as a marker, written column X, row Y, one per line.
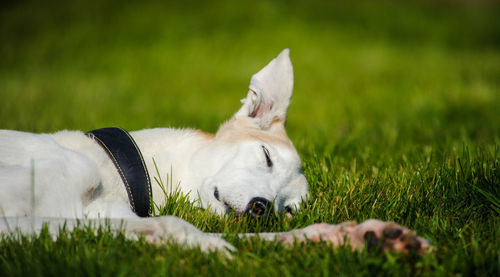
column 66, row 178
column 68, row 175
column 74, row 178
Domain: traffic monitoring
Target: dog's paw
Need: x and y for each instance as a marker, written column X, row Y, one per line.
column 211, row 242
column 387, row 236
column 168, row 229
column 375, row 234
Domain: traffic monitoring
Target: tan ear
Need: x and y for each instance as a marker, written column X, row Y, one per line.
column 270, row 91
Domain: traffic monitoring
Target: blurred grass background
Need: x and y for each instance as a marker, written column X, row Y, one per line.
column 420, row 72
column 396, row 111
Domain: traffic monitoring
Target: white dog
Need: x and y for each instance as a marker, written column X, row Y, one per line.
column 248, row 166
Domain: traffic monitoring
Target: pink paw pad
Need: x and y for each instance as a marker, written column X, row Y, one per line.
column 388, row 236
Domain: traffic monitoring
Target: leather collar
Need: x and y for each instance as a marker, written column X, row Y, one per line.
column 127, row 158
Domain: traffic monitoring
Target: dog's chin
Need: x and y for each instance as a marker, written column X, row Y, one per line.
column 215, row 208
column 225, row 210
column 218, row 206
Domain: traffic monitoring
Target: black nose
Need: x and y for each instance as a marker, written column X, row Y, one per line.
column 258, row 206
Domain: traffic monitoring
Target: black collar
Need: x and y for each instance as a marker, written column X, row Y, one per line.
column 125, row 154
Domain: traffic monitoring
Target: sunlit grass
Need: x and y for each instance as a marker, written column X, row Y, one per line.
column 395, row 115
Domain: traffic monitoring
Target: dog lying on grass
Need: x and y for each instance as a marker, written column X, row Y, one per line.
column 249, row 166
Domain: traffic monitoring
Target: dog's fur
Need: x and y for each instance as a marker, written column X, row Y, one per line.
column 58, row 178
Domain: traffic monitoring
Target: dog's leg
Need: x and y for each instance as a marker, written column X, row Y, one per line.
column 158, row 230
column 375, row 234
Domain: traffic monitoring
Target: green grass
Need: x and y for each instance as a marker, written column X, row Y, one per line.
column 395, row 115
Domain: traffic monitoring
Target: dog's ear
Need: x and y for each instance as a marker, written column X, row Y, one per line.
column 270, row 91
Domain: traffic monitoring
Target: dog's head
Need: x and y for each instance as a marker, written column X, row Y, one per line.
column 252, row 165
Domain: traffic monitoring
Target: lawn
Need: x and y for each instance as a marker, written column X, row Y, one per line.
column 396, row 115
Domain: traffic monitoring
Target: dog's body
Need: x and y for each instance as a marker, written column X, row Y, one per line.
column 248, row 166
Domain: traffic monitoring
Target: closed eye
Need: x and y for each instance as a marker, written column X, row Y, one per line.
column 268, row 158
